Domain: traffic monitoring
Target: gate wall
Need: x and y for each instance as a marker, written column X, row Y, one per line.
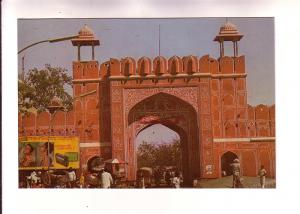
column 216, row 88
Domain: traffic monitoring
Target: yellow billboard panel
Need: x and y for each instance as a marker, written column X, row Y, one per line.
column 55, row 152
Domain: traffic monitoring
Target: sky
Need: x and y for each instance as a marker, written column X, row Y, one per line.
column 120, row 38
column 156, row 134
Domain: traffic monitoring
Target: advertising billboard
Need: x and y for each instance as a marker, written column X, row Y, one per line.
column 41, row 152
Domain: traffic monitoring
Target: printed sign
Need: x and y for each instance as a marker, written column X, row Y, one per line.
column 53, row 152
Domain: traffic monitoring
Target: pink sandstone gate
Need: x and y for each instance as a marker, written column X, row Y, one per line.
column 203, row 99
column 172, row 112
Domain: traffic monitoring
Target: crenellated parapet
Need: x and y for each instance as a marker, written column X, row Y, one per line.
column 85, row 69
column 159, row 68
column 188, row 65
column 44, row 124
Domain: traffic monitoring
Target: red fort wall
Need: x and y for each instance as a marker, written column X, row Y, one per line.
column 215, row 88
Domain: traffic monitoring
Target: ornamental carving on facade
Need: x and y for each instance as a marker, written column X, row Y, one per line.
column 134, row 96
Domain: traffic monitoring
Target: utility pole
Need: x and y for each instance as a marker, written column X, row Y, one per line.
column 23, row 70
column 159, row 40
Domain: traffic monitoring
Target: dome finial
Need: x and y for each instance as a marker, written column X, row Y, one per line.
column 85, row 31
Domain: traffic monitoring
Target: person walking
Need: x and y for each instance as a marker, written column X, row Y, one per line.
column 195, row 181
column 176, row 180
column 156, row 176
column 106, row 179
column 82, row 180
column 262, row 176
column 168, row 178
column 236, row 182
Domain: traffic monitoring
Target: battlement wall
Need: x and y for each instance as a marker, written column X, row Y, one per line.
column 174, row 66
column 159, row 66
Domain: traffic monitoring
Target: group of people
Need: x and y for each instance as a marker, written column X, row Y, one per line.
column 48, row 178
column 65, row 179
column 236, row 182
column 171, row 178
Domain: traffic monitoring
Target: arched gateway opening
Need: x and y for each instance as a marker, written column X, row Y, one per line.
column 158, row 146
column 158, row 151
column 173, row 113
column 227, row 159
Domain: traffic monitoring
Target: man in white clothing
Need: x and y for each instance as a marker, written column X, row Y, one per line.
column 106, row 179
column 72, row 177
column 176, row 180
column 262, row 176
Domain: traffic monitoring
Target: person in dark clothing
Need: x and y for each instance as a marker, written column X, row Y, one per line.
column 168, row 178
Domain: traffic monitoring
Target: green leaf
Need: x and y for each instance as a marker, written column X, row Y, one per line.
column 41, row 86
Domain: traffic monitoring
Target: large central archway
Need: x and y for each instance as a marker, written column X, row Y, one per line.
column 173, row 113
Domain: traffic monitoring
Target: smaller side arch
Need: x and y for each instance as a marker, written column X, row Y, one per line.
column 227, row 159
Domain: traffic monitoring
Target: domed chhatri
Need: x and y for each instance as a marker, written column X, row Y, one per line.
column 55, row 105
column 228, row 32
column 56, row 101
column 85, row 31
column 85, row 37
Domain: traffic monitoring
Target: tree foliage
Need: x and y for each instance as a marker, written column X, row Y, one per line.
column 39, row 87
column 151, row 155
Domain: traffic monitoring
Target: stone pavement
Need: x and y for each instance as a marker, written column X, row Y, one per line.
column 226, row 182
